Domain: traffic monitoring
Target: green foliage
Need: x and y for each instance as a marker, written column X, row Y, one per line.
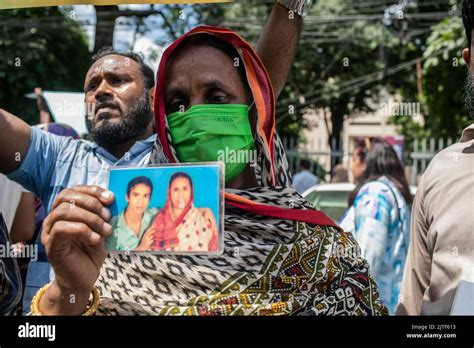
column 179, row 19
column 334, row 67
column 443, row 76
column 39, row 47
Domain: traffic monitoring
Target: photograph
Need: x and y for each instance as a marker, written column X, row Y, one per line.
column 165, row 209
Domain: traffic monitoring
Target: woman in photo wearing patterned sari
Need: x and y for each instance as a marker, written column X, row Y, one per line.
column 180, row 226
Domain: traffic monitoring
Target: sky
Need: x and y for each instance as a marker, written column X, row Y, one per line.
column 123, row 34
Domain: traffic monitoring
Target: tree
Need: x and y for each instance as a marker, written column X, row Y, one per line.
column 443, row 78
column 39, row 47
column 339, row 67
column 175, row 20
column 443, row 75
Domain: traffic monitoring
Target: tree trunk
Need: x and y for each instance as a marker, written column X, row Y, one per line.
column 104, row 28
column 335, row 140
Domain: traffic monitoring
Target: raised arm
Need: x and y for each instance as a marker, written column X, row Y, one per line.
column 13, row 142
column 44, row 115
column 278, row 43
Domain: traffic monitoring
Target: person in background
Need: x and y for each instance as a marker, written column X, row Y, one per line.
column 10, row 280
column 14, row 204
column 442, row 232
column 17, row 206
column 358, row 160
column 44, row 113
column 379, row 215
column 304, row 179
column 339, row 174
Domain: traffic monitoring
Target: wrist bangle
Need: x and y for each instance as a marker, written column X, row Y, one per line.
column 301, row 7
column 90, row 309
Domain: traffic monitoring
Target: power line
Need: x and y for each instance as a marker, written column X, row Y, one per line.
column 362, row 81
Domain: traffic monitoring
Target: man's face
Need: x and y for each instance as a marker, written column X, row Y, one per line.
column 139, row 198
column 118, row 105
column 180, row 193
column 202, row 75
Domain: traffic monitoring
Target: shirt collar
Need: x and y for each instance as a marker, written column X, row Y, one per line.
column 146, row 220
column 136, row 149
column 467, row 134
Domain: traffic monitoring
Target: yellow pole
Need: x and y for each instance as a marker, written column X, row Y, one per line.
column 5, row 4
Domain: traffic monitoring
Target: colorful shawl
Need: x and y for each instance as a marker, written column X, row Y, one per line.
column 281, row 257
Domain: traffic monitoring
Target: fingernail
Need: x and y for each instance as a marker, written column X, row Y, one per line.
column 105, row 213
column 107, row 227
column 106, row 194
column 95, row 236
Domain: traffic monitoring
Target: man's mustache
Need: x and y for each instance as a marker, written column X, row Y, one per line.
column 94, row 108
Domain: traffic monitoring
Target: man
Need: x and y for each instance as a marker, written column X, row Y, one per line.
column 442, row 234
column 304, row 179
column 119, row 95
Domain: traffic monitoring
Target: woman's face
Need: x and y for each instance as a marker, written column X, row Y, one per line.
column 202, row 75
column 180, row 192
column 358, row 166
column 139, row 198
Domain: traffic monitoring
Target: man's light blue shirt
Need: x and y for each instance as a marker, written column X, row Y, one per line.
column 53, row 163
column 304, row 180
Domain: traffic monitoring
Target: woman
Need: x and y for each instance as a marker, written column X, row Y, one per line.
column 129, row 227
column 281, row 257
column 379, row 215
column 180, row 226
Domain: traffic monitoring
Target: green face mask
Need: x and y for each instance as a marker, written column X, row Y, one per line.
column 214, row 132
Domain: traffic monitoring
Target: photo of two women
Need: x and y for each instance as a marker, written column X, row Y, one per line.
column 177, row 225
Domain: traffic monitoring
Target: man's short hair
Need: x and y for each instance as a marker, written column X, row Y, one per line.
column 305, row 164
column 468, row 19
column 137, row 181
column 148, row 75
